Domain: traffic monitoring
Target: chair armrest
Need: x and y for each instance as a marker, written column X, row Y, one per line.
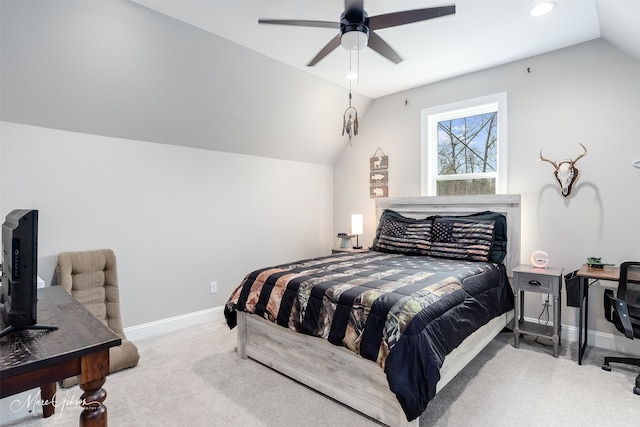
column 622, row 311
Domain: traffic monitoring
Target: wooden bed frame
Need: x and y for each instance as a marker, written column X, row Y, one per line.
column 350, row 379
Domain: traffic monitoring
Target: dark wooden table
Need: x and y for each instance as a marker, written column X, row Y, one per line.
column 80, row 346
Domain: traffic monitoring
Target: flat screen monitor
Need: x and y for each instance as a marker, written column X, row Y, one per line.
column 20, row 268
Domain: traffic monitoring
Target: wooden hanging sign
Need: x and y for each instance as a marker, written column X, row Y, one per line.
column 378, row 175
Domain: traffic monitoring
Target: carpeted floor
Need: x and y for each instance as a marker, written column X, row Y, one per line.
column 194, row 378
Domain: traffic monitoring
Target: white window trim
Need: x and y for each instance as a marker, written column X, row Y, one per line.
column 429, row 139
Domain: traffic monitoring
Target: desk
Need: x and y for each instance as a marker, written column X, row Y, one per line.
column 80, row 346
column 585, row 273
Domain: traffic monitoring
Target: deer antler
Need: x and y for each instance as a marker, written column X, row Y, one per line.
column 581, row 155
column 547, row 160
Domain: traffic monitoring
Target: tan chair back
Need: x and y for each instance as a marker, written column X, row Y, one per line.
column 92, row 278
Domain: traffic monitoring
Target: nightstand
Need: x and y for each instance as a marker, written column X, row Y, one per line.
column 543, row 281
column 338, row 250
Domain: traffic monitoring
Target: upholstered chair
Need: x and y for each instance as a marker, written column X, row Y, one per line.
column 91, row 277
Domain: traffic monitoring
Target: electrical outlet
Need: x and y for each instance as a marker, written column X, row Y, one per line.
column 213, row 287
column 546, row 299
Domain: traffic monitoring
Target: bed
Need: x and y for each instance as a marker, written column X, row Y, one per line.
column 388, row 316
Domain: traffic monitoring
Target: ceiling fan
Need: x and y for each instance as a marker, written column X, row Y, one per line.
column 357, row 28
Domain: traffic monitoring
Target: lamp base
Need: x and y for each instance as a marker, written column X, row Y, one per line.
column 357, row 246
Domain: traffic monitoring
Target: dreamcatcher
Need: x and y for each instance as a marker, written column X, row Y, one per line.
column 350, row 117
column 350, row 120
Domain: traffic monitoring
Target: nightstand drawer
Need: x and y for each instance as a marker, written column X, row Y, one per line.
column 529, row 282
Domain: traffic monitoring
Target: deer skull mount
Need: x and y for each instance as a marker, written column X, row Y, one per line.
column 566, row 172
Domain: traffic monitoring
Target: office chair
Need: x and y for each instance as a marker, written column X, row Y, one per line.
column 626, row 312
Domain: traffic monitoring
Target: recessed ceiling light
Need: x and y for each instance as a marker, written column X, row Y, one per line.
column 542, row 8
column 351, row 75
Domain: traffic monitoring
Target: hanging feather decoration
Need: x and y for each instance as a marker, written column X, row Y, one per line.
column 350, row 116
column 350, row 120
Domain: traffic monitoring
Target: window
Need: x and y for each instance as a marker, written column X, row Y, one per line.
column 464, row 147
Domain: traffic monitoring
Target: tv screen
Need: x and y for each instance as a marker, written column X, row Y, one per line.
column 20, row 268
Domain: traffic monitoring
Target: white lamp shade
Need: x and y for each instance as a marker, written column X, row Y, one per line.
column 356, row 224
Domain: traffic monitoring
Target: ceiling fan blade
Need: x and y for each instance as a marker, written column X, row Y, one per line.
column 333, row 43
column 301, row 23
column 409, row 16
column 379, row 45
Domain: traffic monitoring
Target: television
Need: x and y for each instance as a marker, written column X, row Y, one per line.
column 20, row 271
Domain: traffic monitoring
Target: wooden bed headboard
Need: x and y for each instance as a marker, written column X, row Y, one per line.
column 421, row 206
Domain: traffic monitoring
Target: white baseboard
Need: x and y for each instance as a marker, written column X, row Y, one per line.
column 605, row 341
column 215, row 314
column 602, row 340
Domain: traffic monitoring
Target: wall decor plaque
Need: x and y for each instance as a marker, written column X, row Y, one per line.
column 379, row 175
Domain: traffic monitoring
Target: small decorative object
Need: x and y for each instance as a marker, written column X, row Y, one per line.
column 595, row 262
column 379, row 174
column 565, row 172
column 346, row 240
column 350, row 119
column 357, row 226
column 350, row 122
column 539, row 259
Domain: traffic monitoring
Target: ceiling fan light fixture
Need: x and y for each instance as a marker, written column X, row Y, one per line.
column 355, row 40
column 542, row 8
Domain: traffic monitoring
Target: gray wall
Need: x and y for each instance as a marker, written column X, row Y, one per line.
column 176, row 217
column 119, row 69
column 588, row 94
column 123, row 78
column 100, row 103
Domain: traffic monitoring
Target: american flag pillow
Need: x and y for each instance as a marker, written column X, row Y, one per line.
column 458, row 238
column 399, row 234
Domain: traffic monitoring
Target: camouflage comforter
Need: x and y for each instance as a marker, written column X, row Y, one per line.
column 404, row 312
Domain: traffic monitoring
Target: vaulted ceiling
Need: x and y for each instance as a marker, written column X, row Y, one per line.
column 481, row 34
column 204, row 74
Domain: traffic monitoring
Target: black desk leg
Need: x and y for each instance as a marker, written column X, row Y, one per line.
column 584, row 314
